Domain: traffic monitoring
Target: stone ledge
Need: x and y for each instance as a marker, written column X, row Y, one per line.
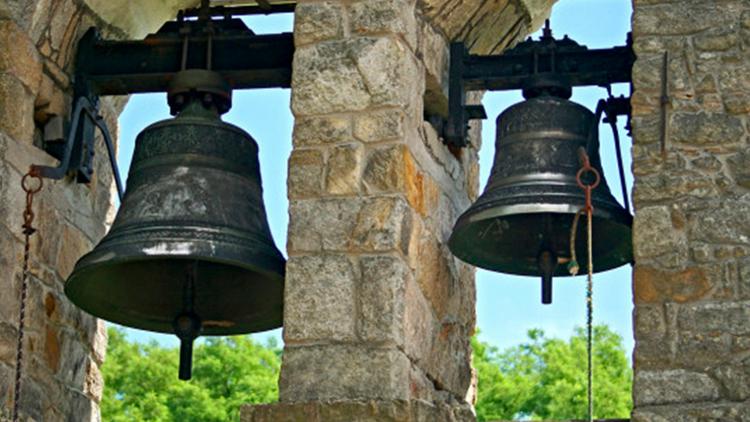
column 362, row 411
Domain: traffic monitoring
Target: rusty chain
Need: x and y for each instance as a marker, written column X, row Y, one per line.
column 28, row 230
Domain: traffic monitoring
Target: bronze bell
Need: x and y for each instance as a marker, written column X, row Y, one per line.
column 521, row 223
column 190, row 251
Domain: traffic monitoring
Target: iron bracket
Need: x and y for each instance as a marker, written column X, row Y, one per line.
column 115, row 67
column 77, row 151
column 562, row 63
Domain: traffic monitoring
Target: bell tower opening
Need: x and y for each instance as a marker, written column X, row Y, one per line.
column 527, row 333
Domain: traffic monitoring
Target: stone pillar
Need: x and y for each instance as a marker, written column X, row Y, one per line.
column 692, row 221
column 378, row 314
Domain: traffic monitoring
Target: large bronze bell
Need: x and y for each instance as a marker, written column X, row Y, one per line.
column 190, row 251
column 521, row 224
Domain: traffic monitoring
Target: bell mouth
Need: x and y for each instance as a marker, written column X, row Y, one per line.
column 147, row 293
column 136, row 278
column 510, row 239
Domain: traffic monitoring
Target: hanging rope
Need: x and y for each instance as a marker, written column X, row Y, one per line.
column 573, row 266
column 28, row 230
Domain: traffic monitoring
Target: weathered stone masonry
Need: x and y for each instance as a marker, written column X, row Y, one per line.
column 378, row 313
column 692, row 221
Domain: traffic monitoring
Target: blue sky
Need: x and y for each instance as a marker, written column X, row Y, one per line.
column 507, row 306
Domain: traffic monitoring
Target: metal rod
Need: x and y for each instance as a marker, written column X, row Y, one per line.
column 547, row 262
column 186, row 359
column 664, row 101
column 99, row 121
column 620, row 168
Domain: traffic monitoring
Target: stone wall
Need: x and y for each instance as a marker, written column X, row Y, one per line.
column 692, row 221
column 64, row 348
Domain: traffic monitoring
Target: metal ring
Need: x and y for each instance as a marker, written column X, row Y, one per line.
column 583, row 171
column 26, row 188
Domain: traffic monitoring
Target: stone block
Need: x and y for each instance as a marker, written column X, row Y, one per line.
column 336, row 372
column 74, row 244
column 725, row 223
column 739, row 166
column 344, row 169
column 315, row 22
column 375, row 17
column 347, row 224
column 720, row 317
column 280, row 412
column 319, row 130
column 724, row 412
column 648, row 69
column 322, row 224
column 734, row 380
column 649, row 321
column 74, row 365
column 434, row 274
column 17, row 104
column 19, row 57
column 94, row 383
column 713, row 41
column 8, row 339
column 306, row 168
column 672, row 386
column 434, row 52
column 697, row 17
column 420, row 324
column 737, row 103
column 381, row 297
column 381, row 125
column 451, row 344
column 706, row 129
column 383, row 224
column 699, row 350
column 362, row 411
column 99, row 346
column 652, row 285
column 654, row 234
column 358, row 410
column 352, row 75
column 331, row 81
column 441, row 154
column 319, row 298
column 385, row 170
column 52, row 349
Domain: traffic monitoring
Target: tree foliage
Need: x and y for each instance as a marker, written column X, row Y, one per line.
column 546, row 378
column 542, row 378
column 141, row 380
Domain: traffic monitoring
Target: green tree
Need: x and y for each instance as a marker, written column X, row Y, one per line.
column 141, row 380
column 546, row 378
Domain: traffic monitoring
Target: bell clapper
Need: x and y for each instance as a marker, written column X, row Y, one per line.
column 547, row 264
column 187, row 325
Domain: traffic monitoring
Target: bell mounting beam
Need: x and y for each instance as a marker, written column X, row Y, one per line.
column 245, row 60
column 215, row 40
column 547, row 62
